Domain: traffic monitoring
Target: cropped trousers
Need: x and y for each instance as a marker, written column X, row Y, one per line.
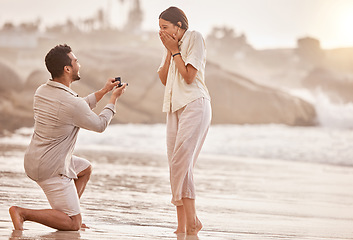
column 186, row 132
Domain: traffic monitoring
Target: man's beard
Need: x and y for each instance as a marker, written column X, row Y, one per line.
column 76, row 77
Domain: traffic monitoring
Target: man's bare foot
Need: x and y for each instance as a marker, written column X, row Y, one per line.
column 84, row 226
column 194, row 230
column 16, row 234
column 16, row 218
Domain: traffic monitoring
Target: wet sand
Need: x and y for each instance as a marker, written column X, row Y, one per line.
column 128, row 197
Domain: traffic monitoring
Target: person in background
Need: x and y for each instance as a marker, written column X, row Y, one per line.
column 188, row 108
column 59, row 114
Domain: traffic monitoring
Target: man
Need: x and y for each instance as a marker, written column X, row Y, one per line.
column 59, row 114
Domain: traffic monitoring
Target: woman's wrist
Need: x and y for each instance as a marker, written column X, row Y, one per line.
column 176, row 54
column 174, row 50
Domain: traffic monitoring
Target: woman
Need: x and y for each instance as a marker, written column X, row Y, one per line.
column 188, row 108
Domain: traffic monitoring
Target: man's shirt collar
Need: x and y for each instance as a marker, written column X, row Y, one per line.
column 52, row 83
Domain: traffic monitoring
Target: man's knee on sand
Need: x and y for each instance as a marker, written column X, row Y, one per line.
column 87, row 172
column 75, row 224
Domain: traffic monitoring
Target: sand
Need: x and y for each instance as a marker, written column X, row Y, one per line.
column 128, row 197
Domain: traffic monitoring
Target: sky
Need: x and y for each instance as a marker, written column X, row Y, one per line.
column 266, row 23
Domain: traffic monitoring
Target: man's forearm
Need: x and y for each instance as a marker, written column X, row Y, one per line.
column 100, row 94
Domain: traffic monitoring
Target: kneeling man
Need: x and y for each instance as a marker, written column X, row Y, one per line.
column 59, row 114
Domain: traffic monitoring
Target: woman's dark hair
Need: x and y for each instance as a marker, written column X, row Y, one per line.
column 175, row 15
column 56, row 59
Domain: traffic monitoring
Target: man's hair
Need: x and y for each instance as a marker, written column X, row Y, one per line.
column 57, row 58
column 175, row 15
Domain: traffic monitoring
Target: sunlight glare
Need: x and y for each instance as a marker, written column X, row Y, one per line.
column 345, row 27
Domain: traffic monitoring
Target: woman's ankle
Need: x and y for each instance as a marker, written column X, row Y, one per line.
column 194, row 227
column 180, row 230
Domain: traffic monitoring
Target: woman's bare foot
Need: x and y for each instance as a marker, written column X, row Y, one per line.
column 181, row 230
column 16, row 218
column 195, row 229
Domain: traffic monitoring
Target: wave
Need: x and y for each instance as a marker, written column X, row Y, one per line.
column 329, row 114
column 271, row 141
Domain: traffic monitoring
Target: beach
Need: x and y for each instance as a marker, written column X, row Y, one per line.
column 277, row 162
column 128, row 196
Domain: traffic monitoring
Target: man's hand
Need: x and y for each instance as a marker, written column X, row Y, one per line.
column 117, row 92
column 109, row 85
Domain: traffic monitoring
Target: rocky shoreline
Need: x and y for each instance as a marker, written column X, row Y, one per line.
column 235, row 98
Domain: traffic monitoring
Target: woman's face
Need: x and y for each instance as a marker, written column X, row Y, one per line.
column 168, row 27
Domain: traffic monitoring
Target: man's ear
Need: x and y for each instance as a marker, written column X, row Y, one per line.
column 179, row 24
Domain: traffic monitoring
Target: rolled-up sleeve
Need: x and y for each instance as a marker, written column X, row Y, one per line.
column 85, row 118
column 196, row 51
column 91, row 100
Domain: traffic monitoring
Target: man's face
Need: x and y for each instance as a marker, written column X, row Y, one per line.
column 75, row 67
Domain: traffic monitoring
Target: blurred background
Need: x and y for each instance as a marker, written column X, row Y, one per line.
column 269, row 62
column 280, row 75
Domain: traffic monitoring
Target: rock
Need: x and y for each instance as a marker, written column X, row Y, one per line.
column 235, row 99
column 238, row 100
column 9, row 79
column 36, row 78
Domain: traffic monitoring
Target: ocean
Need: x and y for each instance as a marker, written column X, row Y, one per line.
column 330, row 145
column 303, row 144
